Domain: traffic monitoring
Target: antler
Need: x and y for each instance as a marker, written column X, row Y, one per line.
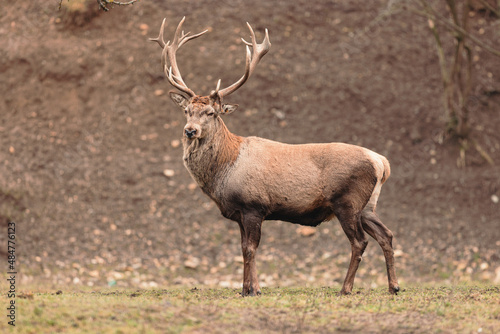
column 168, row 55
column 252, row 59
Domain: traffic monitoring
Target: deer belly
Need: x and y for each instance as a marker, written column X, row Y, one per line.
column 310, row 217
column 304, row 212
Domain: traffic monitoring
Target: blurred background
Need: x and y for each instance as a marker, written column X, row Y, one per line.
column 91, row 161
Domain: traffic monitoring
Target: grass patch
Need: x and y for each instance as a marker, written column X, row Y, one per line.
column 416, row 310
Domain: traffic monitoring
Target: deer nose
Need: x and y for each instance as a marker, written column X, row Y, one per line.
column 190, row 133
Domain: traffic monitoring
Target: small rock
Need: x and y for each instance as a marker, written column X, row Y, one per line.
column 115, row 275
column 497, row 276
column 225, row 284
column 169, row 172
column 192, row 263
column 484, row 266
column 278, row 113
column 326, row 255
column 494, row 199
column 175, row 143
column 144, row 28
column 306, row 231
column 486, row 276
column 94, row 273
column 398, row 253
column 148, row 284
column 251, row 112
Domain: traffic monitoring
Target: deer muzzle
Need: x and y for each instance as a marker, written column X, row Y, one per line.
column 192, row 132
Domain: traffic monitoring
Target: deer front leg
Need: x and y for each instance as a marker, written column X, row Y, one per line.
column 250, row 227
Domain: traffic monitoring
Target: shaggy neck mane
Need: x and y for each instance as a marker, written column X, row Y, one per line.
column 209, row 157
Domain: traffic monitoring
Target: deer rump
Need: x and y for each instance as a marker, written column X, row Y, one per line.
column 301, row 184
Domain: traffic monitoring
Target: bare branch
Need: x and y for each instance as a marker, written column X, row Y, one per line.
column 431, row 13
column 456, row 70
column 104, row 3
column 492, row 9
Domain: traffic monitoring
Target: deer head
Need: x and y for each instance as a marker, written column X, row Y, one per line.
column 202, row 112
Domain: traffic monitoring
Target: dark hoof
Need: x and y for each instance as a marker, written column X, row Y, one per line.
column 251, row 293
column 344, row 293
column 395, row 290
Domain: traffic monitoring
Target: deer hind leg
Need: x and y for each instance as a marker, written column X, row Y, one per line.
column 250, row 228
column 374, row 227
column 351, row 225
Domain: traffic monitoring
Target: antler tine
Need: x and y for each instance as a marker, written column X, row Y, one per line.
column 174, row 76
column 181, row 38
column 214, row 95
column 185, row 39
column 258, row 49
column 173, row 81
column 248, row 60
column 252, row 36
column 169, row 55
column 160, row 39
column 178, row 32
column 216, row 91
column 252, row 59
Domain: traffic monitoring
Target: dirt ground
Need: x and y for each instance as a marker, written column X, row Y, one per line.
column 87, row 131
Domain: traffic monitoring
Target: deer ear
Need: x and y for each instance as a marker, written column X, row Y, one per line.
column 179, row 99
column 228, row 108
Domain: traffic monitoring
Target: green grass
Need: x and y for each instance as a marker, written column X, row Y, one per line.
column 450, row 309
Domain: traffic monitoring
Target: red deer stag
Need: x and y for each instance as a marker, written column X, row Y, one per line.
column 253, row 179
